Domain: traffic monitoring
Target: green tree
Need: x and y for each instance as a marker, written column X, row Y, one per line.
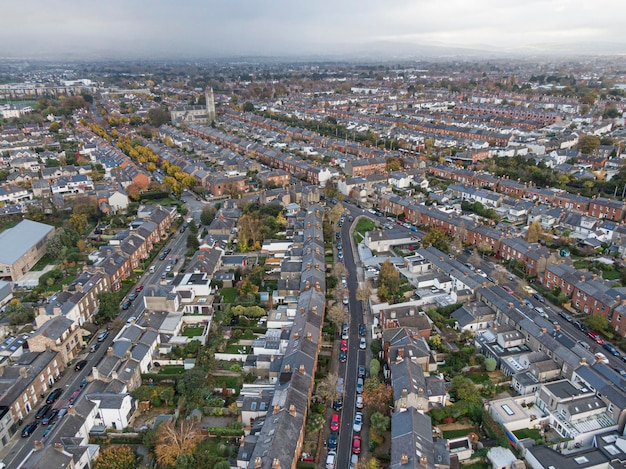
column 116, row 457
column 597, row 322
column 18, row 314
column 465, row 390
column 78, row 221
column 393, row 164
column 380, row 422
column 207, row 216
column 192, row 243
column 534, row 232
column 389, row 281
column 490, row 364
column 436, row 237
column 374, row 367
column 248, row 107
column 157, row 116
column 108, row 305
column 587, row 144
column 167, row 394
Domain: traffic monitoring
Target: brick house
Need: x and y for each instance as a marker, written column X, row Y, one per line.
column 22, row 383
column 594, row 297
column 601, row 207
column 59, row 334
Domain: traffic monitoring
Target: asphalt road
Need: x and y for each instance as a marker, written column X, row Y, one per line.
column 356, row 356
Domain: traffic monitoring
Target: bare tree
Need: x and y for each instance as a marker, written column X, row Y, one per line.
column 327, row 388
column 174, row 440
column 336, row 315
column 521, row 287
column 474, row 259
column 363, row 293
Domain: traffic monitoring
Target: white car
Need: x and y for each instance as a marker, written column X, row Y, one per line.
column 481, row 273
column 168, row 268
column 359, row 402
column 362, row 343
column 358, row 422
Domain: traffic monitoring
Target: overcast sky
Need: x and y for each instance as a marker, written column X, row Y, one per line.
column 206, row 28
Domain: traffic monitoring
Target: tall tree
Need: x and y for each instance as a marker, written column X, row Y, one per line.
column 116, row 457
column 175, row 440
column 336, row 315
column 534, row 232
column 327, row 387
column 389, row 281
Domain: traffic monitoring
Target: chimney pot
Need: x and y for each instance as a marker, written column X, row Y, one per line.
column 276, row 409
column 292, row 410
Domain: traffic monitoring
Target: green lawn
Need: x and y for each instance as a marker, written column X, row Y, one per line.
column 234, row 348
column 458, row 433
column 610, row 275
column 193, row 331
column 532, row 433
column 229, row 294
column 172, row 370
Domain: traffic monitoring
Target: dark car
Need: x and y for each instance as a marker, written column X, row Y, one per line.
column 611, row 348
column 54, row 395
column 50, row 417
column 338, row 404
column 139, row 288
column 362, row 330
column 361, row 371
column 162, row 256
column 343, row 356
column 80, row 365
column 41, row 413
column 132, row 296
column 167, row 251
column 332, row 441
column 29, row 429
column 126, row 305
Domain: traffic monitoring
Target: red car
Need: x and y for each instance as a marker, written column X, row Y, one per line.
column 507, row 289
column 344, row 346
column 356, row 444
column 334, row 423
column 596, row 337
column 139, row 288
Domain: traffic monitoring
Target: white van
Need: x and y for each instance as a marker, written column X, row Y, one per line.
column 354, row 460
column 152, row 268
column 330, row 460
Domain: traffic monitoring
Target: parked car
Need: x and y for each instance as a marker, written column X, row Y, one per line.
column 359, row 402
column 356, row 444
column 332, row 441
column 566, row 316
column 361, row 371
column 338, row 404
column 50, row 417
column 334, row 423
column 102, row 336
column 611, row 348
column 80, row 365
column 354, row 461
column 358, row 422
column 131, row 319
column 507, row 289
column 126, row 305
column 132, row 296
column 362, row 343
column 537, row 296
column 580, row 326
column 139, row 288
column 362, row 329
column 29, row 429
column 595, row 336
column 54, row 395
column 359, row 385
column 343, row 346
column 94, row 347
column 41, row 413
column 345, row 331
column 343, row 357
column 602, row 358
column 49, row 428
column 330, row 458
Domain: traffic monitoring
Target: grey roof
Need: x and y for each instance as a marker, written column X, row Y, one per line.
column 16, row 241
column 55, row 327
column 411, row 434
column 550, row 458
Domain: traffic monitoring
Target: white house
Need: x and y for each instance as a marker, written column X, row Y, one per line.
column 114, row 410
column 118, row 200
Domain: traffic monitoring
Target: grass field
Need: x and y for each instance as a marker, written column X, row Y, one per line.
column 193, row 331
column 229, row 294
column 458, row 433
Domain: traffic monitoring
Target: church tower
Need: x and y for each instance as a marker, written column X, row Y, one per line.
column 210, row 104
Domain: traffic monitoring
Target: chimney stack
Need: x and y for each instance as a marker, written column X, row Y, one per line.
column 276, row 409
column 292, row 410
column 404, row 459
column 23, row 372
column 424, row 461
column 59, row 447
column 38, row 445
column 276, row 463
column 258, row 462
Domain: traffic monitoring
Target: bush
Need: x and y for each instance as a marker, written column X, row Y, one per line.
column 490, row 364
